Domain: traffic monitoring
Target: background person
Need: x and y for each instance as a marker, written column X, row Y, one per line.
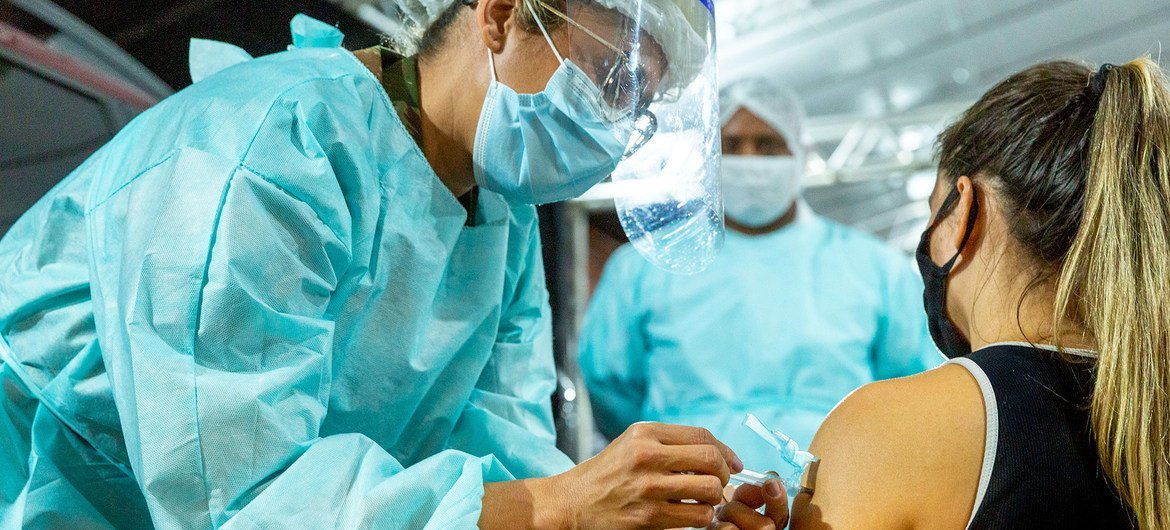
column 795, row 313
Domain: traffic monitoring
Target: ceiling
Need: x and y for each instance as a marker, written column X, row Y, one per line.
column 873, row 57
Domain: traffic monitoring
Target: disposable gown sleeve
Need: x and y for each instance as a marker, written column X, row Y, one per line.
column 903, row 346
column 509, row 413
column 221, row 337
column 613, row 345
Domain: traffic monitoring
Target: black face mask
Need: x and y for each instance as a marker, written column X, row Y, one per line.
column 950, row 341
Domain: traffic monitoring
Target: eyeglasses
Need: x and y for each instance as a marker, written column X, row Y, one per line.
column 618, row 89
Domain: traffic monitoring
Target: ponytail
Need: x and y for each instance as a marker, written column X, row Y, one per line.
column 1115, row 282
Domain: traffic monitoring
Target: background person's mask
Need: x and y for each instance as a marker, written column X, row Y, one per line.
column 758, row 190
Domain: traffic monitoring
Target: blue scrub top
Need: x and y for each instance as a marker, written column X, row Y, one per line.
column 258, row 306
column 783, row 325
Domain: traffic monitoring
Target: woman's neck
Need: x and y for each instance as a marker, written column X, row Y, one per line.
column 449, row 120
column 1014, row 307
column 442, row 102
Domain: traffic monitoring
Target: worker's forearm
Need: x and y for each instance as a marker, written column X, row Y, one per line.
column 531, row 503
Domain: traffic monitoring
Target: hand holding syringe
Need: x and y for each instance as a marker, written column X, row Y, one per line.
column 793, row 461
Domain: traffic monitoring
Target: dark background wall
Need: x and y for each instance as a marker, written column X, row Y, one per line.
column 158, row 32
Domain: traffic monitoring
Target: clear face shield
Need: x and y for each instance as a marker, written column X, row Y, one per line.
column 653, row 62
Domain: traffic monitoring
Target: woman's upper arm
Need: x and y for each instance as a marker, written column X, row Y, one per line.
column 898, row 454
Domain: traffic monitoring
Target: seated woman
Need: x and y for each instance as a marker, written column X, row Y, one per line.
column 1047, row 269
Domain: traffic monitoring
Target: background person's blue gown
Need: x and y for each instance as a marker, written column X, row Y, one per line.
column 258, row 306
column 783, row 325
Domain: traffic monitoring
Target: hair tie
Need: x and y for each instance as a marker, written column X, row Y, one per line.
column 1097, row 82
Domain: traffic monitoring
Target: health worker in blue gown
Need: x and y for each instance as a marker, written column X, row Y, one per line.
column 794, row 314
column 307, row 291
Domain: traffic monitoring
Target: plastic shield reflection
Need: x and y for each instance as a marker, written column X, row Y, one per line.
column 668, row 194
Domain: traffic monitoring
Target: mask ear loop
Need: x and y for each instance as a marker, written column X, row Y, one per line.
column 492, row 65
column 970, row 224
column 547, row 38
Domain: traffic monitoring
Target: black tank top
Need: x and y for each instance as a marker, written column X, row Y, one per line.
column 1040, row 464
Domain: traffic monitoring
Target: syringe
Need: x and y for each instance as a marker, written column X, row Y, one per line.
column 793, row 461
column 748, row 476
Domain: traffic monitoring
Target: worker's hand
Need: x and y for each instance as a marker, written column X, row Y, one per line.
column 741, row 511
column 641, row 479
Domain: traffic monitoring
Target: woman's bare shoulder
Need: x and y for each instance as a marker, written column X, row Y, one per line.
column 900, row 453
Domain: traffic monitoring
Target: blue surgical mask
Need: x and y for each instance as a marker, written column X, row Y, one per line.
column 758, row 190
column 550, row 146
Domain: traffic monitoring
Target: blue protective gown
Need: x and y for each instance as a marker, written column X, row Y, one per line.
column 782, row 325
column 258, row 306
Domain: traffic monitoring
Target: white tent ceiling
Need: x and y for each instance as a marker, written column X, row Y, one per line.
column 872, row 57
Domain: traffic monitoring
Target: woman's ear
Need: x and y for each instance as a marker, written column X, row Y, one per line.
column 494, row 19
column 967, row 207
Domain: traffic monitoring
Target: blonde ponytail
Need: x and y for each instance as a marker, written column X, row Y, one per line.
column 1115, row 282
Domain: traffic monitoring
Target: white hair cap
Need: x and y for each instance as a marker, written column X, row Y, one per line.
column 769, row 100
